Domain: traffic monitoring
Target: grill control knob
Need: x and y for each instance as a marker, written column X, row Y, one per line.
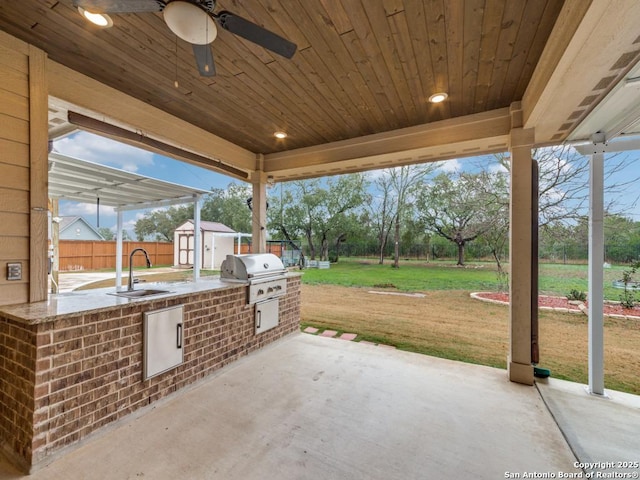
column 260, row 292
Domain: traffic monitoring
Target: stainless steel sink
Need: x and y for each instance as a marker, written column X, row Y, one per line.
column 139, row 293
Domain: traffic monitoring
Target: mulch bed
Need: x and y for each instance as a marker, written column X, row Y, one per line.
column 561, row 304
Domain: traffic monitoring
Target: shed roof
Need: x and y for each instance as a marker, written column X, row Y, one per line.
column 206, row 226
column 83, row 181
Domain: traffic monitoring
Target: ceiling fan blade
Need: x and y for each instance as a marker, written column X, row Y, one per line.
column 256, row 34
column 120, row 6
column 204, row 59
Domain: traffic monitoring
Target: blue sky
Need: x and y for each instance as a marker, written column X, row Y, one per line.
column 101, row 150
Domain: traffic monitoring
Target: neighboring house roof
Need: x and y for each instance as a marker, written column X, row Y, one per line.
column 68, row 223
column 207, row 227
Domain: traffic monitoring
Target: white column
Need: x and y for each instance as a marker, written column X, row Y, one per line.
column 197, row 239
column 596, row 270
column 259, row 214
column 119, row 250
column 55, row 243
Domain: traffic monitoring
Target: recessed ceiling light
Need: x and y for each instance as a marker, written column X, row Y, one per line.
column 101, row 20
column 280, row 134
column 438, row 97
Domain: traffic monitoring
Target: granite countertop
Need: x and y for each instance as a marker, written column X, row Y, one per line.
column 85, row 301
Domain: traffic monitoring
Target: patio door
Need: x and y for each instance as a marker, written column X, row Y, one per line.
column 185, row 249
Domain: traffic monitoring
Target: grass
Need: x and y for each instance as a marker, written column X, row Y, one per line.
column 417, row 276
column 412, row 276
column 447, row 323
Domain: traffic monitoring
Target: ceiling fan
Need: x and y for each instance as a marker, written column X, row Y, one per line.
column 194, row 22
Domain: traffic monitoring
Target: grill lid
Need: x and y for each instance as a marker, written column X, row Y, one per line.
column 251, row 266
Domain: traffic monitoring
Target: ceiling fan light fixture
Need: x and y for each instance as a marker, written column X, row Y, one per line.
column 280, row 135
column 438, row 97
column 101, row 20
column 189, row 22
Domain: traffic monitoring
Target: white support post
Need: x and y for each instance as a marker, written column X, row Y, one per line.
column 596, row 268
column 259, row 214
column 55, row 244
column 119, row 224
column 197, row 239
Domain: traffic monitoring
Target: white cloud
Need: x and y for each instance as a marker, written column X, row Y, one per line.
column 450, row 166
column 129, row 225
column 497, row 168
column 85, row 209
column 94, row 148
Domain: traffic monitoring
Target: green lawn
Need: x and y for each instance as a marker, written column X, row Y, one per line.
column 421, row 276
column 448, row 323
column 411, row 276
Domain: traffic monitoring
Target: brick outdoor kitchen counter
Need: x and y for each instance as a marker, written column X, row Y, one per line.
column 73, row 364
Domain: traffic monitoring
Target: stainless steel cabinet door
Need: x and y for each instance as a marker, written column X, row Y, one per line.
column 267, row 313
column 162, row 340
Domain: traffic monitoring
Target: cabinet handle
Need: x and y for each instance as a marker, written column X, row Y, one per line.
column 179, row 335
column 259, row 313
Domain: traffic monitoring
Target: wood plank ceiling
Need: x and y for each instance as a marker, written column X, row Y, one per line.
column 362, row 66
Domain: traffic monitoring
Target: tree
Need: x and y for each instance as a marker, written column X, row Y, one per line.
column 564, row 182
column 320, row 210
column 455, row 207
column 300, row 214
column 106, row 233
column 345, row 194
column 495, row 192
column 397, row 188
column 380, row 210
column 162, row 223
column 405, row 182
column 229, row 207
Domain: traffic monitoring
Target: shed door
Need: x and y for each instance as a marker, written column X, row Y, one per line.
column 185, row 249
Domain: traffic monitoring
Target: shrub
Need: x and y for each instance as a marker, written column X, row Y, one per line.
column 502, row 278
column 577, row 295
column 628, row 297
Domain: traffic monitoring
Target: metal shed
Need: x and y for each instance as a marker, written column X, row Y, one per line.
column 217, row 242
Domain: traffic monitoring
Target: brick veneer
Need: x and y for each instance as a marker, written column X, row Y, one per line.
column 65, row 379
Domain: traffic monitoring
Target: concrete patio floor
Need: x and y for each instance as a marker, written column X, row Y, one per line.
column 310, row 407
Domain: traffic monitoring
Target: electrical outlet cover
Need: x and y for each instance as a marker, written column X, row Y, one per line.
column 14, row 271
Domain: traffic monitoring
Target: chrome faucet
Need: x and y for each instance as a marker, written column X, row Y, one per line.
column 130, row 286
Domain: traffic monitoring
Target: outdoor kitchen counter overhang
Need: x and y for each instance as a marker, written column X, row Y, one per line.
column 75, row 363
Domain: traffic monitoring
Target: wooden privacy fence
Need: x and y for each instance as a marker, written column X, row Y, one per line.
column 97, row 255
column 276, row 249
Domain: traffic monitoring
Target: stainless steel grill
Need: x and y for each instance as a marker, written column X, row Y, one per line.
column 264, row 272
column 265, row 275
